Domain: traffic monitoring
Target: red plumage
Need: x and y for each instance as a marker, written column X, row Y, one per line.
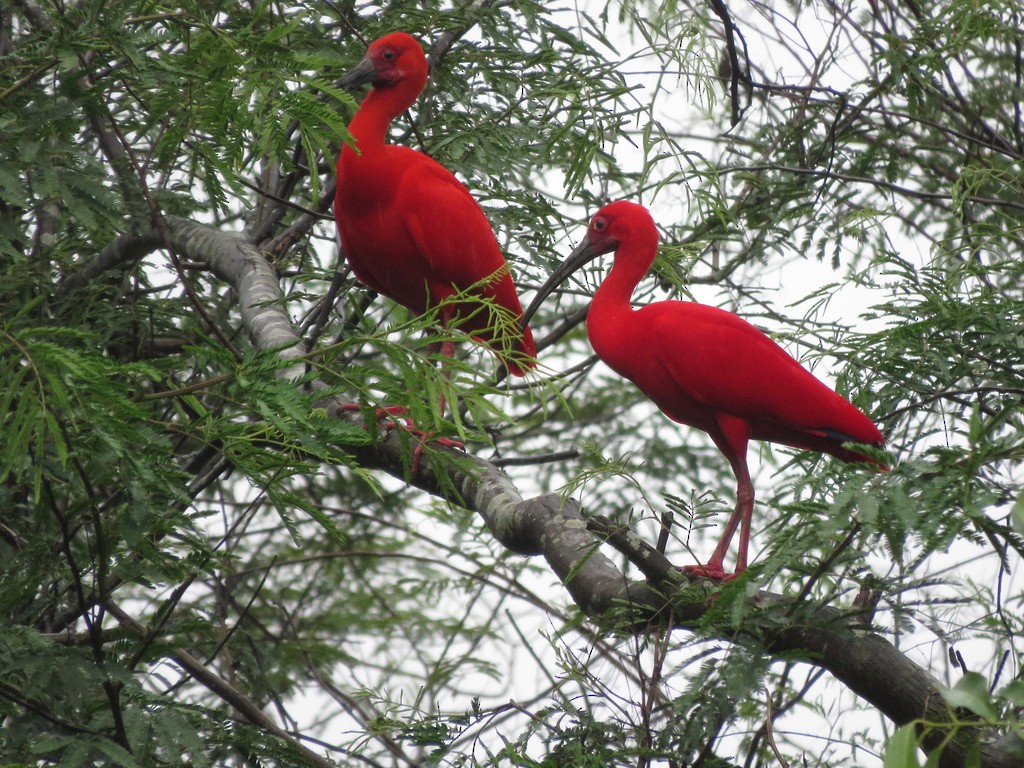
column 706, row 368
column 754, row 378
column 412, row 231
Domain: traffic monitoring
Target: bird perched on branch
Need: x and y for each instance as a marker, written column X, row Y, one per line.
column 409, row 229
column 706, row 368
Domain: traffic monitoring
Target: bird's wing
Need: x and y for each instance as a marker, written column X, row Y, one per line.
column 726, row 364
column 447, row 225
column 455, row 239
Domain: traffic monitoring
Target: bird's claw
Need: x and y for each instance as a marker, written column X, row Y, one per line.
column 424, row 437
column 400, row 419
column 713, row 571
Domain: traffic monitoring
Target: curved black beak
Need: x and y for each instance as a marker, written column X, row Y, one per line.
column 585, row 252
column 363, row 72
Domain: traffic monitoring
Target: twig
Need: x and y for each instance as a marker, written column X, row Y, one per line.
column 770, row 731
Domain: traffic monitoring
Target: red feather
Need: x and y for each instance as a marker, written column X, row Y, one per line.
column 706, row 368
column 412, row 231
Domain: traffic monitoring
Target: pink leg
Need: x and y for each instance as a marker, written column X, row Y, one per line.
column 400, row 413
column 732, row 442
column 447, row 352
column 448, row 348
column 400, row 420
column 397, row 411
column 745, row 509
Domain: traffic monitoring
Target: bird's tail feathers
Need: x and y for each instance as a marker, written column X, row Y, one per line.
column 839, row 440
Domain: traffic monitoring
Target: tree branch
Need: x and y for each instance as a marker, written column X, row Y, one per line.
column 232, row 258
column 222, row 688
column 557, row 530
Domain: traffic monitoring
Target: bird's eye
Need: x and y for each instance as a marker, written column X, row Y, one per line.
column 599, row 225
column 389, row 55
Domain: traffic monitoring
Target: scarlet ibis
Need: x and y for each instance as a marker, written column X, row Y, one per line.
column 706, row 368
column 409, row 228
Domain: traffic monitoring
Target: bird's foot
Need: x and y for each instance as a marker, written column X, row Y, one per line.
column 400, row 419
column 712, row 570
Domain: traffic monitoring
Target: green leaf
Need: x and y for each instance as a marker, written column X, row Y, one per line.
column 1013, row 693
column 971, row 693
column 901, row 749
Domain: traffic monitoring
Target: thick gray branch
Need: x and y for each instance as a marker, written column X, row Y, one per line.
column 236, row 261
column 232, row 258
column 556, row 529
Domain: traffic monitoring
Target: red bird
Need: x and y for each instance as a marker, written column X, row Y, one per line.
column 409, row 228
column 707, row 368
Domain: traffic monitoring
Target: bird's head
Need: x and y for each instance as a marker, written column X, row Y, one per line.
column 391, row 60
column 618, row 223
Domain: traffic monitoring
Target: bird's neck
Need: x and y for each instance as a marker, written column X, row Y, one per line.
column 370, row 124
column 382, row 105
column 613, row 295
column 611, row 310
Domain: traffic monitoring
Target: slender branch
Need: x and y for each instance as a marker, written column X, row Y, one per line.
column 222, row 688
column 886, row 185
column 951, row 394
column 449, row 37
column 737, row 72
